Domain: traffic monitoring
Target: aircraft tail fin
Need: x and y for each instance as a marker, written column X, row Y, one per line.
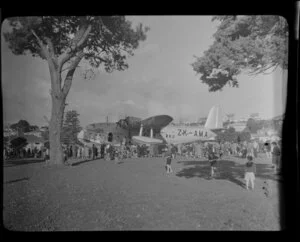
column 214, row 118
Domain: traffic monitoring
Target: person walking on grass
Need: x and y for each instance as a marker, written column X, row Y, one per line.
column 250, row 170
column 212, row 159
column 173, row 151
column 168, row 156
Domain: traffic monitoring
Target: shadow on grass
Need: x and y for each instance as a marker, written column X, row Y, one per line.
column 17, row 180
column 76, row 163
column 9, row 163
column 226, row 170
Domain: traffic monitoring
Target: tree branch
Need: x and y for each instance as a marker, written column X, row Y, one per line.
column 77, row 43
column 69, row 76
column 51, row 47
column 44, row 52
column 84, row 36
column 261, row 70
column 270, row 68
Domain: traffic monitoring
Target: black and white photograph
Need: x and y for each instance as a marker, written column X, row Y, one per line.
column 143, row 122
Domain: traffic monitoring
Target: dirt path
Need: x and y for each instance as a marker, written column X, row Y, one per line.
column 137, row 194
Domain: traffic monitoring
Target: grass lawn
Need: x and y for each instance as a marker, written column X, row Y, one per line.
column 137, row 194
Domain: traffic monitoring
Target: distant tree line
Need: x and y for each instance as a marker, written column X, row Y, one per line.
column 23, row 126
column 230, row 135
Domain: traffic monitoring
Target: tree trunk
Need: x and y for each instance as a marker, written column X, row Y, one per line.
column 56, row 152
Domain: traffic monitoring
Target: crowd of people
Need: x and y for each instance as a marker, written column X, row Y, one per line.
column 215, row 151
column 25, row 152
column 241, row 149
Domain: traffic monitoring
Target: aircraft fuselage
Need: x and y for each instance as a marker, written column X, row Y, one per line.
column 185, row 134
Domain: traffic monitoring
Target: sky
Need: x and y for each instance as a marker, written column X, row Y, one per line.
column 159, row 80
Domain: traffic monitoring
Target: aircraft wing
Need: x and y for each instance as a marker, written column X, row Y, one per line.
column 157, row 122
column 154, row 123
column 146, row 140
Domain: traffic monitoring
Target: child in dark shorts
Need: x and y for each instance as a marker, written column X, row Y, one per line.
column 250, row 170
column 169, row 160
column 213, row 165
column 212, row 159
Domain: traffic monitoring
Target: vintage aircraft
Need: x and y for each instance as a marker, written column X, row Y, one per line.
column 153, row 130
column 178, row 134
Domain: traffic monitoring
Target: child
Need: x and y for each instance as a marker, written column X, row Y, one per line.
column 173, row 151
column 250, row 170
column 268, row 150
column 169, row 160
column 212, row 159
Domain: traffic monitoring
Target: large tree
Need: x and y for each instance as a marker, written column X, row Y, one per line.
column 63, row 42
column 254, row 44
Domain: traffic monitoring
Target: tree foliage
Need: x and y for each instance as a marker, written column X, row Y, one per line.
column 229, row 135
column 244, row 136
column 109, row 39
column 18, row 143
column 24, row 126
column 254, row 44
column 71, row 127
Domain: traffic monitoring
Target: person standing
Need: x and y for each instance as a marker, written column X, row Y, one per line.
column 212, row 159
column 65, row 151
column 250, row 170
column 93, row 152
column 78, row 152
column 90, row 150
column 268, row 149
column 168, row 156
column 4, row 154
column 250, row 149
column 173, row 151
column 255, row 148
column 102, row 150
column 71, row 151
column 151, row 150
column 47, row 155
column 244, row 151
column 86, row 152
column 275, row 156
